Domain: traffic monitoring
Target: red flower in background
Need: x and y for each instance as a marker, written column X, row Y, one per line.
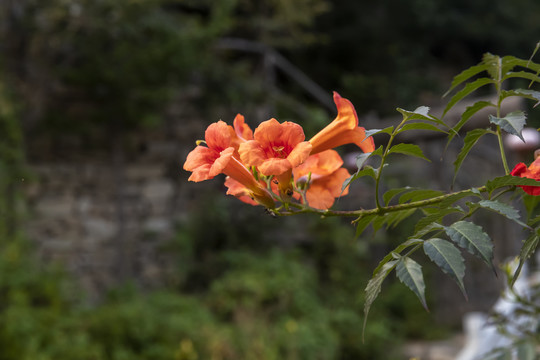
column 531, row 172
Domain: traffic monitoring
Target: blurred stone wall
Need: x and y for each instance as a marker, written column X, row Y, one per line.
column 108, row 218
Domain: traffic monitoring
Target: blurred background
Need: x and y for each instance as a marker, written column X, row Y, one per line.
column 106, row 250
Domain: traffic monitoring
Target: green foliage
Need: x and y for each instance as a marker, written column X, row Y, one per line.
column 505, row 210
column 472, row 238
column 99, row 57
column 439, row 208
column 512, row 123
column 280, row 23
column 300, row 304
column 409, row 273
column 408, row 149
column 448, row 258
column 470, row 140
column 374, row 285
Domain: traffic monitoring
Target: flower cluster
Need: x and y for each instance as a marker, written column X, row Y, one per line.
column 275, row 162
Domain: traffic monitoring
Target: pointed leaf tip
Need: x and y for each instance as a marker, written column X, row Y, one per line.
column 409, row 272
column 472, row 238
column 512, row 123
column 448, row 258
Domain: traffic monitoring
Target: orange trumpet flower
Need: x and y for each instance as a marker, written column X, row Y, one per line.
column 325, row 176
column 276, row 147
column 343, row 130
column 220, row 157
column 275, row 150
column 241, row 192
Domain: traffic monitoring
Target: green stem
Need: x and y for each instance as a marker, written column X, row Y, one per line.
column 501, row 149
column 498, row 86
column 383, row 160
column 380, row 210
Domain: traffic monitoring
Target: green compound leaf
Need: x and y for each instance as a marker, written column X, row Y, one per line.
column 528, row 249
column 421, row 126
column 530, row 202
column 512, row 123
column 466, row 75
column 509, row 180
column 378, row 152
column 504, row 209
column 361, row 159
column 363, row 222
column 416, row 195
column 448, row 258
column 390, row 194
column 366, row 171
column 434, row 226
column 470, row 140
column 409, row 272
column 362, row 170
column 495, row 65
column 510, row 62
column 387, row 130
column 524, row 93
column 435, row 218
column 420, row 113
column 373, row 287
column 397, row 217
column 394, row 254
column 453, row 198
column 408, row 149
column 472, row 238
column 469, row 88
column 467, row 114
column 522, row 74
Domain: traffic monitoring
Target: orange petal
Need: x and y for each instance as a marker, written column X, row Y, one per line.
column 251, row 153
column 346, row 119
column 343, row 130
column 199, row 156
column 274, row 166
column 243, row 131
column 321, row 164
column 319, row 197
column 356, row 136
column 221, row 162
column 299, row 154
column 238, row 190
column 346, row 116
column 219, row 136
column 534, row 169
column 267, row 132
column 291, row 134
column 323, row 191
column 200, row 174
column 199, row 161
column 336, row 182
